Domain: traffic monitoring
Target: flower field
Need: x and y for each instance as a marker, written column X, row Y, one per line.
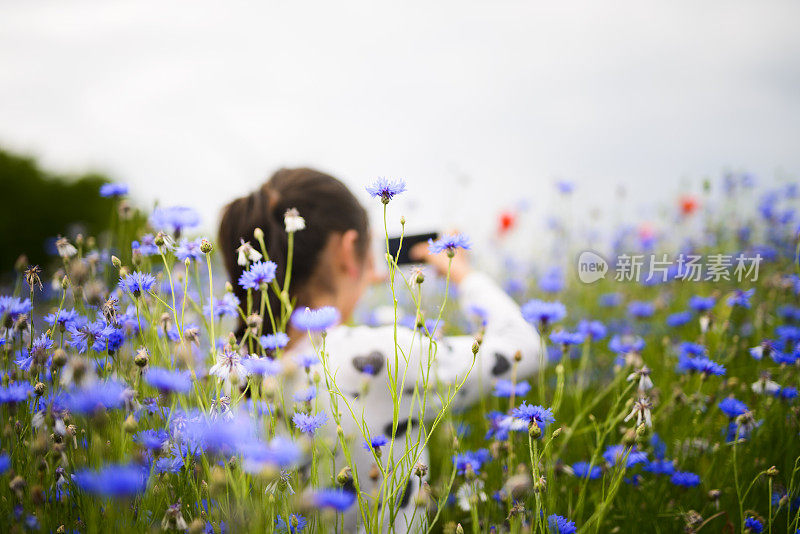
column 668, row 400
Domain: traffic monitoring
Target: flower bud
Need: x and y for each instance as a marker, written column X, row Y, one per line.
column 197, row 526
column 116, row 262
column 420, row 470
column 533, row 430
column 130, row 425
column 206, row 246
column 345, row 476
column 258, row 233
column 772, row 471
column 141, row 359
column 39, row 389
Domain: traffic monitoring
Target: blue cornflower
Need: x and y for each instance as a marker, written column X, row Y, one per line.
column 734, row 431
column 789, row 313
column 565, row 187
column 562, row 337
column 109, row 395
column 274, row 341
column 114, row 340
column 471, row 459
column 153, row 440
column 788, row 333
column 337, row 499
column 685, row 479
column 594, row 329
column 309, row 423
column 315, row 320
column 741, row 298
column 137, row 283
column 90, row 335
column 13, row 307
column 386, row 189
column 227, row 305
column 15, row 393
column 190, row 250
column 174, row 218
column 626, row 344
column 732, row 407
column 659, row 447
column 787, row 393
column 702, row 304
column 65, row 319
column 660, row 467
column 146, row 247
column 641, row 310
column 679, row 319
column 40, row 346
column 278, row 452
column 783, row 358
column 449, row 244
column 751, row 524
column 112, row 480
column 560, row 525
column 5, row 463
column 701, row 364
column 307, row 360
column 165, row 380
column 691, row 349
column 262, row 366
column 258, row 275
column 305, row 395
column 553, row 280
column 610, row 300
column 297, row 523
column 614, row 453
column 505, row 388
column 376, row 442
column 542, row 312
column 500, row 425
column 528, row 413
column 165, row 464
column 113, row 190
column 581, row 470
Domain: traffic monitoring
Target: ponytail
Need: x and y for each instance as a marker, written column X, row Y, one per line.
column 327, row 207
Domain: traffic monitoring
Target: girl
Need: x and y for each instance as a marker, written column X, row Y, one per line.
column 332, row 266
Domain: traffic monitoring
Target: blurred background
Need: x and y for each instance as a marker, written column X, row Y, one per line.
column 481, row 107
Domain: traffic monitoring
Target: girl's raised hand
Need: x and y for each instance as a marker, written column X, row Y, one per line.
column 459, row 265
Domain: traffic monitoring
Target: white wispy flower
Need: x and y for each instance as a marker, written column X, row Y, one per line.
column 247, row 253
column 293, row 221
column 641, row 409
column 643, row 375
column 65, row 248
column 467, row 490
column 229, row 368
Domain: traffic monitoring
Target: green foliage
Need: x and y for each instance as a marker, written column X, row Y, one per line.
column 38, row 205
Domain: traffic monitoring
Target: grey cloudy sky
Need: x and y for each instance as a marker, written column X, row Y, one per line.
column 476, row 104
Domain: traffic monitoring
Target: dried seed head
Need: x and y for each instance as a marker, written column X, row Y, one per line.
column 32, row 277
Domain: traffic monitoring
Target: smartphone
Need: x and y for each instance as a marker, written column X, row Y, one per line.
column 408, row 242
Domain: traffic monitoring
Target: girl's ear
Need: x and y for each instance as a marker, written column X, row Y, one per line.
column 349, row 253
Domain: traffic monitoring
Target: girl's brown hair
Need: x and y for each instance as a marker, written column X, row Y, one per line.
column 323, row 201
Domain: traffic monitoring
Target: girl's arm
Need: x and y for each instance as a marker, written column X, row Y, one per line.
column 507, row 340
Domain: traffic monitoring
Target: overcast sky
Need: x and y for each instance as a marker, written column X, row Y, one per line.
column 476, row 105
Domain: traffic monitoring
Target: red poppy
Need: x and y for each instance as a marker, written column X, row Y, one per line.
column 507, row 221
column 688, row 204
